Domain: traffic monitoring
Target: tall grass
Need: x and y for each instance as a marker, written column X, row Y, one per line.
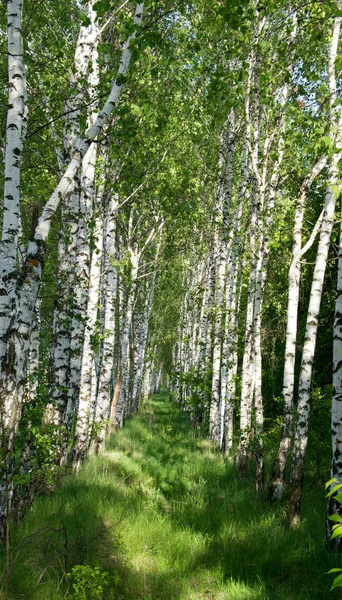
column 167, row 518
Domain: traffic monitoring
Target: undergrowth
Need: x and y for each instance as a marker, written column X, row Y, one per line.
column 161, row 515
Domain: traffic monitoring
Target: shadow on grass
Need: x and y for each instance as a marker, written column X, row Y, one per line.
column 244, row 536
column 167, row 518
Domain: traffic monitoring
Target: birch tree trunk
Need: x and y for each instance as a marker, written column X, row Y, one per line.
column 304, row 386
column 33, row 363
column 252, row 111
column 60, row 350
column 262, row 218
column 74, row 258
column 109, row 282
column 220, row 258
column 9, row 416
column 247, row 385
column 220, row 255
column 204, row 335
column 13, row 150
column 229, row 351
column 277, row 484
column 86, row 401
column 141, row 336
column 265, row 228
column 334, row 507
column 125, row 341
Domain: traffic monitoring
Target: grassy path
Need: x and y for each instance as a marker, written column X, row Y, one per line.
column 167, row 518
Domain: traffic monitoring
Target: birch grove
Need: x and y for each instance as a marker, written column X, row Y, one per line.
column 16, row 336
column 168, row 220
column 261, row 187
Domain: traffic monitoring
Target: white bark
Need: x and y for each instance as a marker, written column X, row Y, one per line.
column 277, row 484
column 125, row 339
column 10, row 231
column 60, row 350
column 247, row 384
column 109, row 293
column 33, row 364
column 86, row 401
column 141, row 329
column 262, row 218
column 221, row 236
column 304, row 386
column 13, row 150
column 258, row 187
column 229, row 351
column 74, row 246
column 204, row 322
column 334, row 507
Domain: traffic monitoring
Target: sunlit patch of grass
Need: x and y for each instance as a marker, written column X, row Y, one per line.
column 165, row 513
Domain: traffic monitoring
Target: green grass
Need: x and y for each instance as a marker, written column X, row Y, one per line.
column 167, row 518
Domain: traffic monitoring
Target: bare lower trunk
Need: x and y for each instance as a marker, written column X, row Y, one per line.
column 86, row 402
column 277, row 484
column 109, row 294
column 334, row 507
column 304, row 388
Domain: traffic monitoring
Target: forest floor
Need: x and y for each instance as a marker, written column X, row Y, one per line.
column 165, row 517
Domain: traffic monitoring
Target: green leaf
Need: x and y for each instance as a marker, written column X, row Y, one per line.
column 337, row 582
column 335, row 518
column 136, row 110
column 338, row 498
column 101, row 6
column 328, row 483
column 326, row 141
column 336, row 191
column 337, row 487
column 334, row 571
column 337, row 532
column 85, row 20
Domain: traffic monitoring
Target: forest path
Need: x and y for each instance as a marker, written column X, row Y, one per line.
column 166, row 517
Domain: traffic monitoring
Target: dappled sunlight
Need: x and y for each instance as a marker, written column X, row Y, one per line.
column 168, row 518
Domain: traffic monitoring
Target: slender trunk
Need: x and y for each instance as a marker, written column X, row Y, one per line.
column 114, row 404
column 204, row 325
column 220, row 257
column 229, row 351
column 109, row 294
column 86, row 402
column 221, row 237
column 9, row 414
column 277, row 484
column 334, row 507
column 141, row 343
column 247, row 383
column 33, row 364
column 304, row 386
column 13, row 150
column 73, row 276
column 247, row 376
column 123, row 405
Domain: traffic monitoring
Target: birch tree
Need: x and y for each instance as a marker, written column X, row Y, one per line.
column 220, row 256
column 334, row 508
column 304, row 388
column 277, row 484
